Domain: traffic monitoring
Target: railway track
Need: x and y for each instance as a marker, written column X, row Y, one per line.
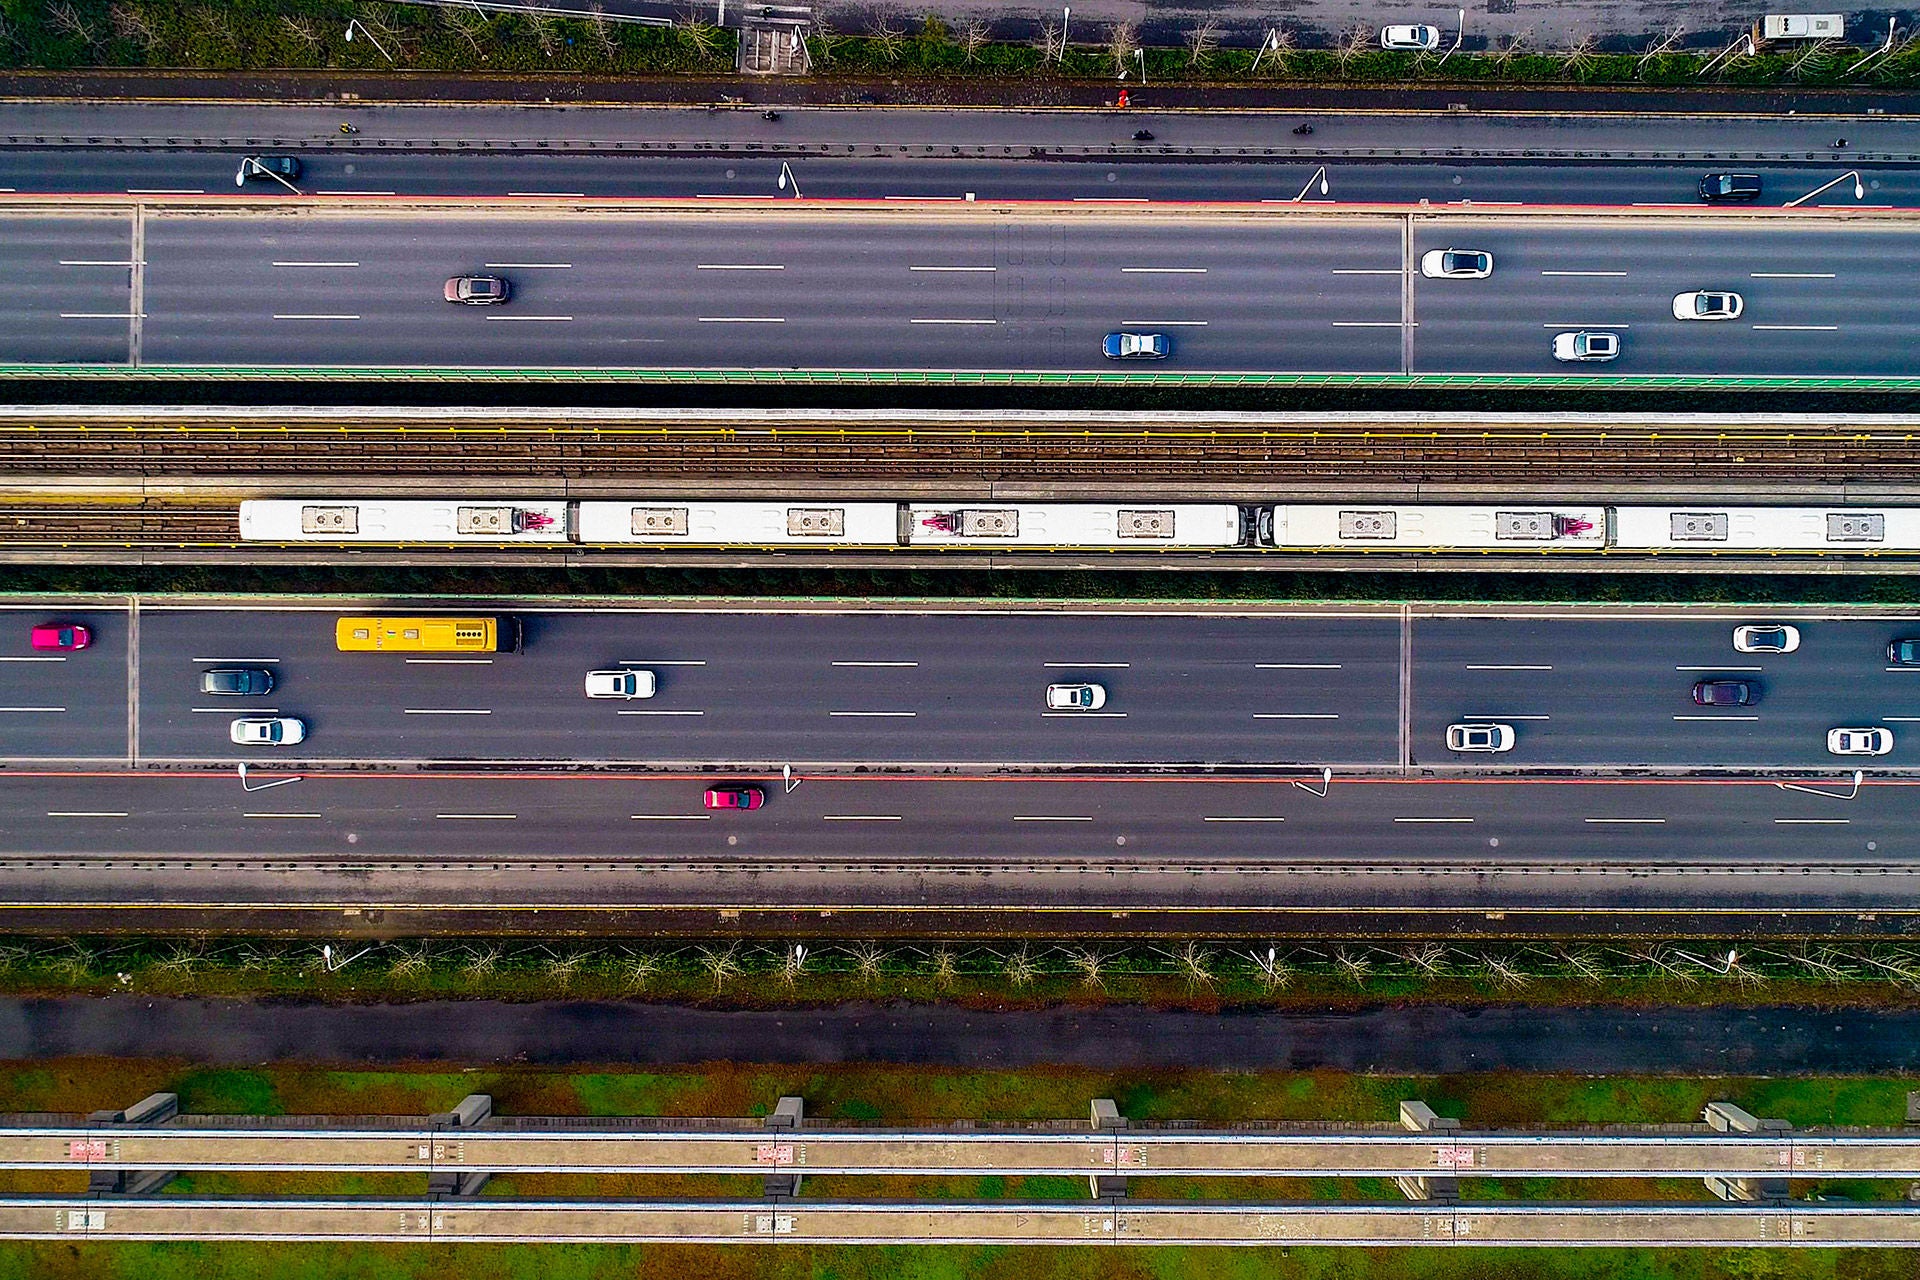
column 823, row 452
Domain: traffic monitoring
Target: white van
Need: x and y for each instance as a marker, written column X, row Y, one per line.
column 1803, row 26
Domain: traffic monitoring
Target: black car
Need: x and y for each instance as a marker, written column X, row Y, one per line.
column 239, row 682
column 1725, row 693
column 477, row 291
column 1904, row 653
column 1719, row 187
column 267, row 168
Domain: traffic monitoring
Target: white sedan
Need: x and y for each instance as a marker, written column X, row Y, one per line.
column 1708, row 304
column 1419, row 39
column 1585, row 344
column 1456, row 264
column 1767, row 637
column 1871, row 741
column 267, row 731
column 627, row 683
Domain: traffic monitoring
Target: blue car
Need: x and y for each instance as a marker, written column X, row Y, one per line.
column 1137, row 346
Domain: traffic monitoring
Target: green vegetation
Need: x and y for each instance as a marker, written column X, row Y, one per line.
column 1201, row 975
column 254, row 35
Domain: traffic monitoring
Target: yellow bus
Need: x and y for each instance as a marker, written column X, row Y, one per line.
column 426, row 635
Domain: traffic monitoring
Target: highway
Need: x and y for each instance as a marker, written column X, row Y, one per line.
column 962, row 686
column 967, row 289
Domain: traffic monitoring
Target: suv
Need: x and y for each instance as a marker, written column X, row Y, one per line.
column 1075, row 697
column 627, row 683
column 1904, row 653
column 1586, row 344
column 477, row 291
column 238, row 682
column 1717, row 187
column 266, row 169
column 1480, row 737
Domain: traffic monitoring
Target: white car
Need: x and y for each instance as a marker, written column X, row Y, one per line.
column 1456, row 264
column 1586, row 344
column 268, row 731
column 1708, row 304
column 1076, row 697
column 1766, row 637
column 1480, row 737
column 1871, row 741
column 629, row 682
column 1417, row 38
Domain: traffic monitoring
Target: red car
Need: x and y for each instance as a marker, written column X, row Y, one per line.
column 735, row 797
column 62, row 636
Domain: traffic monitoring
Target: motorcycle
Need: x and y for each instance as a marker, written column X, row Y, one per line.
column 1143, row 135
column 1303, row 129
column 769, row 115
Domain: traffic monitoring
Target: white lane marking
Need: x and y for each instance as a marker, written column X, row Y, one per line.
column 528, row 266
column 355, row 191
column 38, row 658
column 1507, row 666
column 1367, row 271
column 1812, row 822
column 1585, row 324
column 443, row 711
column 48, row 710
column 659, row 713
column 446, row 662
column 1902, row 719
column 1883, row 668
column 1295, row 715
column 165, row 191
column 294, row 316
column 1719, row 668
column 743, row 319
column 1165, row 324
column 96, row 262
column 670, row 817
column 1163, row 271
column 1628, row 822
column 239, row 708
column 279, row 815
column 1790, row 275
column 1505, row 717
column 1083, row 715
column 1583, row 273
column 477, row 817
column 1088, row 666
column 739, row 266
column 102, row 315
column 1296, row 666
column 876, row 664
column 860, row 817
column 236, row 659
column 548, row 319
column 953, row 268
column 1243, row 819
column 1800, row 328
column 1376, row 324
column 1433, row 819
column 563, row 194
column 725, row 195
column 1110, row 200
column 1726, row 718
column 930, row 199
column 935, row 321
column 1043, row 817
column 87, row 813
column 1661, row 204
column 316, row 264
column 875, row 715
column 662, row 662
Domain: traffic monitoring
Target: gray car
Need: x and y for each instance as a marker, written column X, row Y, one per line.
column 236, row 682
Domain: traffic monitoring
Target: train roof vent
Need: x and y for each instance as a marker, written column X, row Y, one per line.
column 983, row 522
column 486, row 521
column 1369, row 526
column 1698, row 526
column 1856, row 526
column 329, row 519
column 660, row 522
column 1135, row 522
column 816, row 522
column 1525, row 526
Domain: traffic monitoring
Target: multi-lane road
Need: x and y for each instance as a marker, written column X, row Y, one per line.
column 959, row 687
column 966, row 290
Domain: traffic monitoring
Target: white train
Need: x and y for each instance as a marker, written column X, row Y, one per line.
column 668, row 523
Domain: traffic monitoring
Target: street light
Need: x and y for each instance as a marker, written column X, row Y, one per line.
column 786, row 176
column 1859, row 191
column 277, row 782
column 1458, row 37
column 355, row 22
column 1321, row 174
column 1066, row 16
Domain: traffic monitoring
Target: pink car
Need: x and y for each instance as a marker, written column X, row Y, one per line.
column 63, row 637
column 736, row 797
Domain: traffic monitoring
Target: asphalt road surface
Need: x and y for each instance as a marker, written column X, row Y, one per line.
column 1342, row 688
column 801, row 289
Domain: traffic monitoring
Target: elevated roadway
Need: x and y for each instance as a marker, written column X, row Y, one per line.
column 970, row 290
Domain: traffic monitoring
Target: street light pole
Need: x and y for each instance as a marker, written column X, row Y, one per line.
column 1143, row 65
column 1066, row 16
column 1859, row 191
column 1321, row 175
column 786, row 176
column 1458, row 37
column 355, row 22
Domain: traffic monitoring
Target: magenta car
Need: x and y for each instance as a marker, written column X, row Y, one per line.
column 735, row 797
column 63, row 637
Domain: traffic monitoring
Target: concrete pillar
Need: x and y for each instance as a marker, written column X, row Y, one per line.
column 154, row 1109
column 1724, row 1117
column 454, row 1182
column 1106, row 1114
column 1107, row 1119
column 789, row 1113
column 1421, row 1118
column 1913, row 1108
